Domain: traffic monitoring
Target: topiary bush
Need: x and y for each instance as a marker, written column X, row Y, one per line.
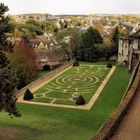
column 109, row 65
column 76, row 63
column 28, row 95
column 80, row 100
column 46, row 67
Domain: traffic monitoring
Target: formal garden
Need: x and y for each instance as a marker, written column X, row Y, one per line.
column 52, row 123
column 18, row 68
column 81, row 80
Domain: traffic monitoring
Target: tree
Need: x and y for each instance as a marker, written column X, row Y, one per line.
column 23, row 62
column 69, row 39
column 34, row 26
column 48, row 26
column 8, row 97
column 88, row 49
column 5, row 27
column 63, row 24
column 3, row 60
column 8, row 78
column 114, row 39
column 99, row 25
column 91, row 37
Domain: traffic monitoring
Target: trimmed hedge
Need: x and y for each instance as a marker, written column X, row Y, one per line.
column 46, row 67
column 28, row 95
column 76, row 63
column 109, row 65
column 80, row 100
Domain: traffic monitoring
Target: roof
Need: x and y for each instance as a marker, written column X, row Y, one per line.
column 136, row 34
column 48, row 54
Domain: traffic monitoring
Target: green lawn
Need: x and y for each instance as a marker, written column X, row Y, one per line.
column 84, row 80
column 99, row 62
column 50, row 123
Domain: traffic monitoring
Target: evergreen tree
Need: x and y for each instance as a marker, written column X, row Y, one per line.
column 5, row 27
column 115, row 35
column 91, row 37
column 3, row 60
column 88, row 50
column 114, row 39
column 8, row 79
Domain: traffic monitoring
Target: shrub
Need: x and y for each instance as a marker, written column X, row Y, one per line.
column 80, row 100
column 76, row 63
column 22, row 82
column 28, row 95
column 46, row 67
column 109, row 65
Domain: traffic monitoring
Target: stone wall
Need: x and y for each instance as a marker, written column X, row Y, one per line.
column 123, row 51
column 45, row 79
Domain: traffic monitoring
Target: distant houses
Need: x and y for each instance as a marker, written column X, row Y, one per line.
column 45, row 47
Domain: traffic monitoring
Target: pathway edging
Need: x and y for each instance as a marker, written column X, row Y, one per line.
column 87, row 106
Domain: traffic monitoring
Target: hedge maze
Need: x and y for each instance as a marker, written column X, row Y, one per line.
column 83, row 80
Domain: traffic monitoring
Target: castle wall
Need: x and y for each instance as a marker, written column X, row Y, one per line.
column 135, row 44
column 123, row 51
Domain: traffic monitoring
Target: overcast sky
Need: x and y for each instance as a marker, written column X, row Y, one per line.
column 73, row 6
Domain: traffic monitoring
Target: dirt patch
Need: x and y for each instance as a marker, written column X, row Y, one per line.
column 9, row 133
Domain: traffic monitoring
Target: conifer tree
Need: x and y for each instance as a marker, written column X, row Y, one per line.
column 114, row 40
column 8, row 78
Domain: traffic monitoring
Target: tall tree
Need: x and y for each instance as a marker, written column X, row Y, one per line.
column 22, row 61
column 91, row 37
column 8, row 79
column 115, row 35
column 69, row 40
column 88, row 50
column 114, row 39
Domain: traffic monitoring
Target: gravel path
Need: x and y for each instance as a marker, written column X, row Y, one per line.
column 129, row 129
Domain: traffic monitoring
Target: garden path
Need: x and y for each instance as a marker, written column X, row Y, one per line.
column 87, row 106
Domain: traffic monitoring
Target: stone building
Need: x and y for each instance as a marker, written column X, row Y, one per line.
column 129, row 49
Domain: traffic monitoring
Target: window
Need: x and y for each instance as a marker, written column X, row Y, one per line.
column 122, row 52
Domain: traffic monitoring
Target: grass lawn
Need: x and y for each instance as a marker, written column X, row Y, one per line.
column 50, row 123
column 99, row 62
column 84, row 80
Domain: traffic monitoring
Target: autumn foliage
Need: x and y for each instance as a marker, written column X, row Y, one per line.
column 23, row 61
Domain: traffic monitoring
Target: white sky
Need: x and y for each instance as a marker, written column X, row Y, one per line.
column 73, row 6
